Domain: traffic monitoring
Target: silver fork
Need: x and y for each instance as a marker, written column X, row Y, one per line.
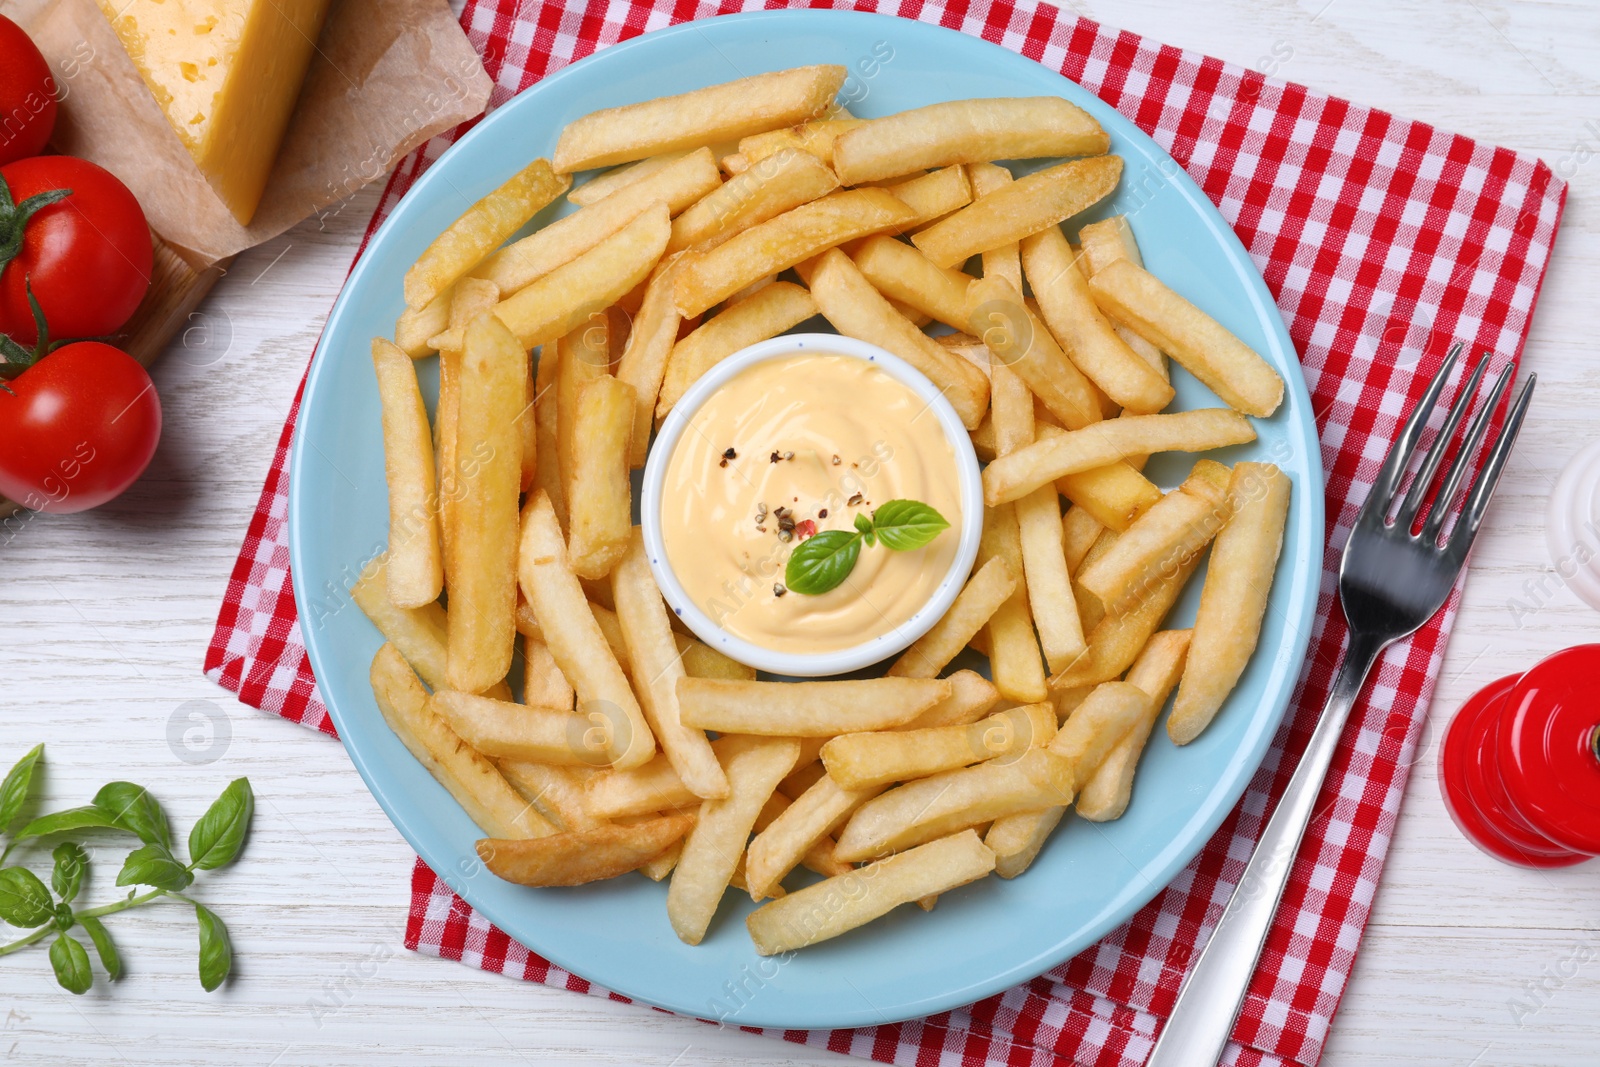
column 1391, row 581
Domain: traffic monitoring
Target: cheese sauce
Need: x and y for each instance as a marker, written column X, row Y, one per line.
column 793, row 446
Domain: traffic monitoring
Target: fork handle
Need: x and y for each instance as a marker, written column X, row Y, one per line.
column 1197, row 1031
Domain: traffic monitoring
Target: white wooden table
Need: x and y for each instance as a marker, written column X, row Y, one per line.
column 106, row 617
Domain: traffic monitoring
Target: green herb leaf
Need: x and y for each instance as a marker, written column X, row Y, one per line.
column 88, row 817
column 154, row 865
column 71, row 964
column 131, row 807
column 903, row 525
column 821, row 562
column 67, row 876
column 14, row 790
column 103, row 946
column 24, row 901
column 64, row 919
column 218, row 836
column 216, row 951
column 864, row 524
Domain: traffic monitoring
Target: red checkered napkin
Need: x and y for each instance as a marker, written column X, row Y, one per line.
column 1381, row 239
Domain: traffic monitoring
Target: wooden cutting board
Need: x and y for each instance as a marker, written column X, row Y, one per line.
column 177, row 287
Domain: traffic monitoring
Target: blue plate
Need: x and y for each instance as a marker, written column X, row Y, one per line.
column 985, row 937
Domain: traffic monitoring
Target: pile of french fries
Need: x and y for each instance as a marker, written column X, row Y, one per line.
column 738, row 212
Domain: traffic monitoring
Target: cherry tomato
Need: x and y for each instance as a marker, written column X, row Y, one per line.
column 27, row 95
column 78, row 428
column 87, row 256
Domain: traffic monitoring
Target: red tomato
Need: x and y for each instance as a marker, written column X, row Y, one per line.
column 87, row 257
column 27, row 95
column 79, row 427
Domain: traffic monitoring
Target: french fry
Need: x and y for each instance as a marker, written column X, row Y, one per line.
column 1105, row 242
column 706, row 116
column 763, row 314
column 1089, row 606
column 842, row 903
column 702, row 661
column 971, row 696
column 657, row 669
column 1001, row 261
column 1014, row 335
column 954, row 800
column 575, row 640
column 934, row 195
column 754, row 766
column 582, row 357
column 1106, row 793
column 542, row 681
column 771, row 186
column 600, row 500
column 1222, row 362
column 966, row 131
column 416, row 566
column 679, row 184
column 1050, row 457
column 469, row 298
column 1116, row 640
column 806, row 709
column 1044, row 568
column 779, row 243
column 479, row 231
column 1083, row 332
column 469, row 777
column 483, row 591
column 622, row 177
column 1233, row 600
column 1115, row 495
column 414, row 326
column 583, row 856
column 1025, row 206
column 547, row 476
column 614, row 794
column 806, row 767
column 557, row 792
column 857, row 310
column 658, row 867
column 1013, row 649
column 418, row 634
column 1079, row 530
column 503, row 730
column 1176, row 529
column 644, row 359
column 816, row 137
column 779, row 847
column 901, row 273
column 565, row 298
column 989, row 587
column 862, row 761
column 1093, row 729
column 1016, row 839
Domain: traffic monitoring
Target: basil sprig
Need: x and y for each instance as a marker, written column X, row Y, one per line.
column 823, row 561
column 122, row 807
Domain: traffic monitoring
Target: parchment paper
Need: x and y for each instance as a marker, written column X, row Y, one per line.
column 388, row 75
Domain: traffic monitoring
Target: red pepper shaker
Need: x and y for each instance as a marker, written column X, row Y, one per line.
column 1520, row 763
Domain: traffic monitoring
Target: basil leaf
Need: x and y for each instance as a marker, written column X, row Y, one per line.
column 864, row 524
column 24, row 901
column 67, row 876
column 103, row 946
column 84, row 818
column 131, row 807
column 154, row 865
column 821, row 562
column 71, row 964
column 14, row 790
column 903, row 525
column 217, row 837
column 216, row 951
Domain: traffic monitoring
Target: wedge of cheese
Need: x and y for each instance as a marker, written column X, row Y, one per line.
column 227, row 74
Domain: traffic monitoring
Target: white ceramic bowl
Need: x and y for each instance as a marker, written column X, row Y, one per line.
column 812, row 665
